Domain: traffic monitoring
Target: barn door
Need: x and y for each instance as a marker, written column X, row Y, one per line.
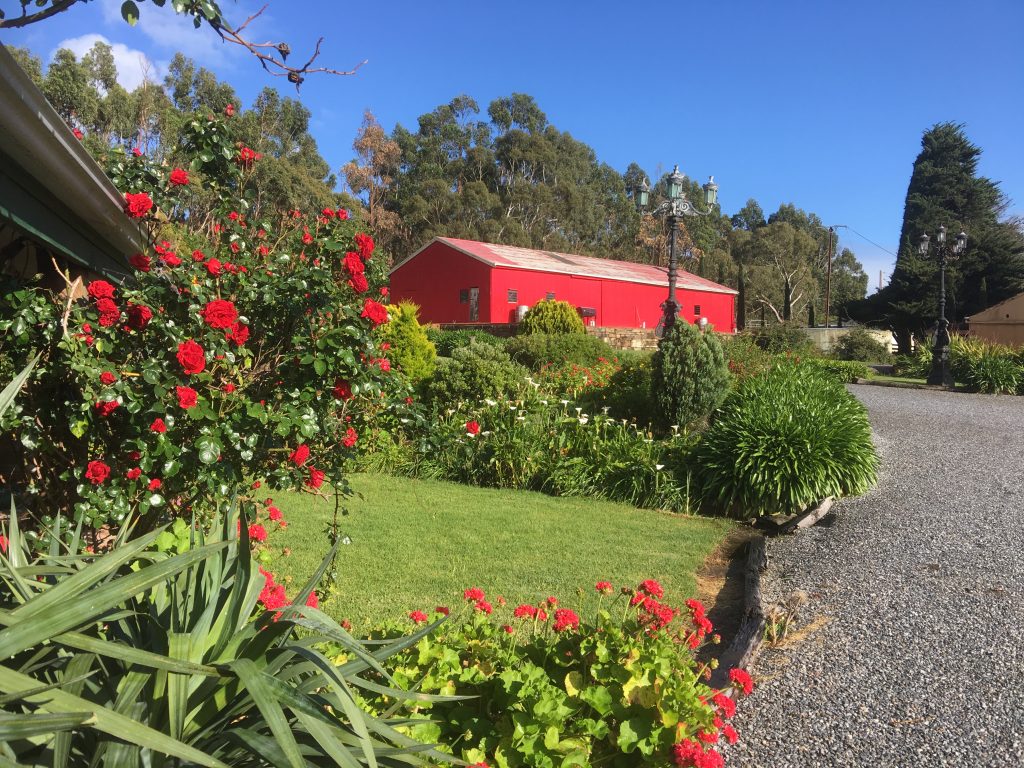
column 474, row 305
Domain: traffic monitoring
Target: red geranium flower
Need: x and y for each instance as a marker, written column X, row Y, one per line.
column 107, row 378
column 238, row 334
column 158, row 423
column 179, row 177
column 524, row 611
column 444, row 610
column 137, row 204
column 741, row 679
column 472, row 428
column 191, row 356
column 257, row 532
column 316, row 477
column 566, row 618
column 171, row 260
column 375, row 312
column 418, row 617
column 483, row 606
column 220, row 313
column 312, row 601
column 274, row 513
column 604, row 587
column 101, row 289
column 652, row 588
column 187, row 397
column 299, row 455
column 473, row 593
column 97, row 472
column 730, row 734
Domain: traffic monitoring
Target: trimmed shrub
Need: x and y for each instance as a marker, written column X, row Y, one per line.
column 783, row 441
column 689, row 376
column 540, row 349
column 447, row 341
column 552, row 317
column 411, row 350
column 845, row 371
column 473, row 372
column 784, row 337
column 859, row 344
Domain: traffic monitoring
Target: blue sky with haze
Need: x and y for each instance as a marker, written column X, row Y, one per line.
column 813, row 102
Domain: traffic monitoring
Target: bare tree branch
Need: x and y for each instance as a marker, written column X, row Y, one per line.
column 58, row 6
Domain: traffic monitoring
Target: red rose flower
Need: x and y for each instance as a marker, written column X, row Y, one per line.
column 384, row 364
column 365, row 245
column 342, row 389
column 342, row 214
column 299, row 455
column 246, row 157
column 358, row 283
column 97, row 472
column 229, row 110
column 350, row 438
column 179, row 177
column 384, row 290
column 213, row 266
column 155, row 483
column 191, row 356
column 139, row 316
column 316, row 477
column 418, row 617
column 110, row 314
column 229, row 387
column 472, row 428
column 187, row 397
column 106, row 407
column 101, row 289
column 137, row 204
column 198, row 255
column 353, row 264
column 141, row 262
column 220, row 313
column 107, row 378
column 133, row 474
column 171, row 260
column 238, row 334
column 158, row 424
column 307, row 238
column 374, row 312
column 136, row 151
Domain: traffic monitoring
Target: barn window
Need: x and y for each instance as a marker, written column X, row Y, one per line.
column 550, row 296
column 513, row 296
column 464, row 296
column 696, row 309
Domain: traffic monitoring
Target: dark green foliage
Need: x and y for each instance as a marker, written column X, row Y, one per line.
column 945, row 189
column 689, row 376
column 537, row 350
column 982, row 367
column 784, row 337
column 744, row 356
column 628, row 393
column 473, row 372
column 411, row 351
column 846, row 371
column 555, row 317
column 783, row 441
column 447, row 341
column 860, row 344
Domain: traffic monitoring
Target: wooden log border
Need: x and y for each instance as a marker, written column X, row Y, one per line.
column 744, row 647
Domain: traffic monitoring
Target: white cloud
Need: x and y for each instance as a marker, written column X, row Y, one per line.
column 133, row 66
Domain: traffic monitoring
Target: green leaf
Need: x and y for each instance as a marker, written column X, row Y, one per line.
column 130, row 12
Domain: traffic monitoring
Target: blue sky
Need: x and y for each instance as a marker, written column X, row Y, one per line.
column 815, row 102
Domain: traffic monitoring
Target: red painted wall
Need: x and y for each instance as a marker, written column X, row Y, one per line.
column 435, row 278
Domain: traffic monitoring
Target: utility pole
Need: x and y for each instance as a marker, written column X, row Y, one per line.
column 828, row 271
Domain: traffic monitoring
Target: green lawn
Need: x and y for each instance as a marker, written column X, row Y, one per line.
column 419, row 543
column 896, row 379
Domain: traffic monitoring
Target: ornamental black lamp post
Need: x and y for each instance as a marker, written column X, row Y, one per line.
column 940, row 373
column 677, row 206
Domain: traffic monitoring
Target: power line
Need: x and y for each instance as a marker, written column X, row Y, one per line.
column 865, row 237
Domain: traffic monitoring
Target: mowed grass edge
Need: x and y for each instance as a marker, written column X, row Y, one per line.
column 417, row 544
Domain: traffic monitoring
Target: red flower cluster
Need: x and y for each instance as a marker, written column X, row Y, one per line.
column 158, row 425
column 137, row 204
column 106, row 407
column 365, row 245
column 179, row 177
column 272, row 595
column 257, row 532
column 299, row 456
column 141, row 262
column 566, row 618
column 134, row 473
column 701, row 623
column 100, row 289
column 192, row 357
column 472, row 428
column 187, row 397
column 524, row 611
column 604, row 587
column 741, row 679
column 483, row 606
column 220, row 314
column 238, row 334
column 418, row 617
column 651, row 588
column 351, row 436
column 97, row 472
column 375, row 312
column 690, row 754
column 316, row 477
column 246, row 157
column 473, row 593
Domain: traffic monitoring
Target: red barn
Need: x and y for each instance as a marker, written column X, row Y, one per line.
column 465, row 281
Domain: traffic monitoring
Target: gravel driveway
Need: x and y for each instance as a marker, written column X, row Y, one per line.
column 913, row 650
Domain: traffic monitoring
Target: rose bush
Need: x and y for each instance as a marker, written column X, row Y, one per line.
column 236, row 344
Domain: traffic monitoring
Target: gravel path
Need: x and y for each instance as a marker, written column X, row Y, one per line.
column 913, row 649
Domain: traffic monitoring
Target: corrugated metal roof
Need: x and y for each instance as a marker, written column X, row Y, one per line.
column 514, row 257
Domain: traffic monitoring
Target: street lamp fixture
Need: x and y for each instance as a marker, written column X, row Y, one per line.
column 674, row 208
column 940, row 373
